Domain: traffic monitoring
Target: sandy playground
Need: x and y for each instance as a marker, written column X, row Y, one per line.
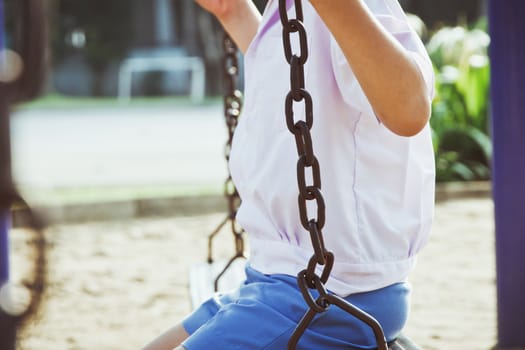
column 115, row 285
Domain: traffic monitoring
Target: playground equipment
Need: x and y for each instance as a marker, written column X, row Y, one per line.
column 21, row 72
column 169, row 63
column 507, row 53
column 308, row 279
column 212, row 276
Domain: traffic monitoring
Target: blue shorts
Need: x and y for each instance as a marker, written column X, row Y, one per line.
column 265, row 310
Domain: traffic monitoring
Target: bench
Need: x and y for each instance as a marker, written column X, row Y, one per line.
column 162, row 63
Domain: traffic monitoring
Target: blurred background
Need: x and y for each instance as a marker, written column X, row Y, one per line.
column 90, row 40
column 132, row 68
column 123, row 153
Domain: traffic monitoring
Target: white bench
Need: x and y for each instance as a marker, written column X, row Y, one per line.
column 164, row 63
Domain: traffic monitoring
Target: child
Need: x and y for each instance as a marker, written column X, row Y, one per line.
column 371, row 82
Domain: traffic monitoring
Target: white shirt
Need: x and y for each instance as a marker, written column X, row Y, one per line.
column 378, row 187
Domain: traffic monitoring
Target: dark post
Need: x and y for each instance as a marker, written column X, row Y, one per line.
column 4, row 251
column 7, row 322
column 28, row 40
column 507, row 52
column 3, row 226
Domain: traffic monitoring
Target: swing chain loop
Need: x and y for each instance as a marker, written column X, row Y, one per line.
column 297, row 78
column 319, row 304
column 301, row 131
column 318, row 245
column 303, row 141
column 304, row 190
column 328, row 257
column 232, row 111
column 312, row 193
column 308, row 111
column 308, row 280
column 284, row 14
column 230, row 192
column 231, row 65
column 295, row 26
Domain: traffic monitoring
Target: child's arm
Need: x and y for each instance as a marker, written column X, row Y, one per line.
column 387, row 73
column 240, row 18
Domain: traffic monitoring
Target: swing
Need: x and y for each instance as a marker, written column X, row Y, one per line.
column 217, row 275
column 22, row 85
column 307, row 279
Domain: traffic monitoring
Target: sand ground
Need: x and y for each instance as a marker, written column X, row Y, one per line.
column 115, row 285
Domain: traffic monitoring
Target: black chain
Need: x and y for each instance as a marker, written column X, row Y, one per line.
column 308, row 279
column 29, row 41
column 232, row 110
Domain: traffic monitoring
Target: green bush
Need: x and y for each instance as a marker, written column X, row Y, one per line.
column 460, row 109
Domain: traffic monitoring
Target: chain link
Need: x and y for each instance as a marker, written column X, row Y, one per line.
column 308, row 280
column 232, row 111
column 29, row 41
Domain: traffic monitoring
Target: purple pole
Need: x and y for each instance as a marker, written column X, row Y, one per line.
column 4, row 251
column 4, row 248
column 2, row 26
column 507, row 52
column 4, row 163
column 7, row 324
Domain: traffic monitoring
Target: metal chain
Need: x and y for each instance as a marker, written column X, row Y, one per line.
column 308, row 279
column 232, row 110
column 29, row 42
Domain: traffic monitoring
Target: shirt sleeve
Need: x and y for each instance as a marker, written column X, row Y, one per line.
column 391, row 16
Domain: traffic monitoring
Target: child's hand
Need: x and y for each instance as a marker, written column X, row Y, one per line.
column 220, row 8
column 240, row 18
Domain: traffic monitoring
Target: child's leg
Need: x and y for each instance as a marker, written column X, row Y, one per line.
column 263, row 312
column 170, row 339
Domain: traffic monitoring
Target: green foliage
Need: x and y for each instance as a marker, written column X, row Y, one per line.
column 460, row 110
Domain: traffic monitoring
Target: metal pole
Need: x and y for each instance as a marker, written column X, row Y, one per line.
column 23, row 85
column 507, row 53
column 7, row 322
column 5, row 159
column 4, row 249
column 164, row 26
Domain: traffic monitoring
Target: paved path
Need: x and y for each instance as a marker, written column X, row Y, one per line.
column 129, row 146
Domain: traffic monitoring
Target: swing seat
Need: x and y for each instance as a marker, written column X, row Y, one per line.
column 203, row 275
column 403, row 343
